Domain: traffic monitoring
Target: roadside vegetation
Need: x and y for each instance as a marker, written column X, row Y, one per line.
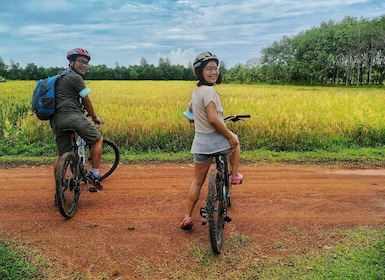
column 144, row 118
column 19, row 263
column 359, row 254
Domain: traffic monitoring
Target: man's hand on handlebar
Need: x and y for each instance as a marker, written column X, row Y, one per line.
column 96, row 119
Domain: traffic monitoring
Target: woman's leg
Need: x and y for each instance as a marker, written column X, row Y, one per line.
column 234, row 159
column 200, row 172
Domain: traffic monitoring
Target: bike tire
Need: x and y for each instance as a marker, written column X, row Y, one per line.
column 109, row 160
column 67, row 185
column 216, row 205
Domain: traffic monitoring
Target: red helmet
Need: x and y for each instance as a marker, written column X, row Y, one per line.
column 73, row 54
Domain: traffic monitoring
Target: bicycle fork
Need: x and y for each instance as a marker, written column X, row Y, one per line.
column 203, row 211
column 227, row 218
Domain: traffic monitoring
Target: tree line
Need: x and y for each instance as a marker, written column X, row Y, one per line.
column 346, row 52
column 349, row 52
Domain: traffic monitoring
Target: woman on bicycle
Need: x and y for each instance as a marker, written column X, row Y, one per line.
column 211, row 134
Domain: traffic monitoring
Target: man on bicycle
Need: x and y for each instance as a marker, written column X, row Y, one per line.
column 71, row 100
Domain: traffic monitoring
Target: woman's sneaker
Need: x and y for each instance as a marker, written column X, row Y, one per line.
column 237, row 180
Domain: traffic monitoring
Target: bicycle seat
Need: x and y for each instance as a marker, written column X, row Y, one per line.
column 222, row 153
column 69, row 130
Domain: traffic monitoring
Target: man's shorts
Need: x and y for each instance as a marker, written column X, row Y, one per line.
column 82, row 125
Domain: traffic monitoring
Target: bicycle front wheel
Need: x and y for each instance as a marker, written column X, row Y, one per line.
column 216, row 205
column 109, row 161
column 67, row 185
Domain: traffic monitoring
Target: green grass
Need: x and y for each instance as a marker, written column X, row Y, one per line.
column 359, row 255
column 358, row 157
column 17, row 263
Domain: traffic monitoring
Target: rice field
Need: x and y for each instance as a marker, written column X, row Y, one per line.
column 147, row 116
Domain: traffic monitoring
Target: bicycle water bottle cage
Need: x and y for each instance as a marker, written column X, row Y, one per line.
column 70, row 132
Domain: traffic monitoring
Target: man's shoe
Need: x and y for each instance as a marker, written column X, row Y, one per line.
column 94, row 181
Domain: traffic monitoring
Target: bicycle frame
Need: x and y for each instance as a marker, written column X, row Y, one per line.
column 78, row 147
column 221, row 164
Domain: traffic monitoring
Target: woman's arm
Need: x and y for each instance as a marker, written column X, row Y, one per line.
column 219, row 126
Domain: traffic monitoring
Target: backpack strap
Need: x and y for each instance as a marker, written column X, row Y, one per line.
column 60, row 76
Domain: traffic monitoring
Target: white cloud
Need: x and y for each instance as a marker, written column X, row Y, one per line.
column 179, row 57
column 41, row 31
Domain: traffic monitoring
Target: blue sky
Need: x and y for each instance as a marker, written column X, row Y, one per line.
column 123, row 32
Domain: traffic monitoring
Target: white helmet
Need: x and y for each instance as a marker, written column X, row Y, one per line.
column 205, row 56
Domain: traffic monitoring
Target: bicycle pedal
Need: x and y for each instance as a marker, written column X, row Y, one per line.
column 228, row 219
column 92, row 189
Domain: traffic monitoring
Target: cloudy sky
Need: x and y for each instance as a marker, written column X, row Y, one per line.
column 124, row 31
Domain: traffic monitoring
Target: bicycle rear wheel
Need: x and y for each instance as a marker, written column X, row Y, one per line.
column 109, row 161
column 67, row 185
column 216, row 205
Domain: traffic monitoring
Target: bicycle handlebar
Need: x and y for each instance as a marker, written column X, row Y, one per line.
column 236, row 118
column 96, row 124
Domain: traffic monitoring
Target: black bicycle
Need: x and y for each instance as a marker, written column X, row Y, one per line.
column 72, row 171
column 219, row 196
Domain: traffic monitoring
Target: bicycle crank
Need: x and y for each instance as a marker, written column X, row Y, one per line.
column 228, row 219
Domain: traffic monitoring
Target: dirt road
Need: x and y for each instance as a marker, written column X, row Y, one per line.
column 138, row 213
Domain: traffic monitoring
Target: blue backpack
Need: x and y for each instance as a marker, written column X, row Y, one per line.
column 43, row 97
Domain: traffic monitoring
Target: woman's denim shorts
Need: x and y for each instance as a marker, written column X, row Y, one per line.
column 201, row 158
